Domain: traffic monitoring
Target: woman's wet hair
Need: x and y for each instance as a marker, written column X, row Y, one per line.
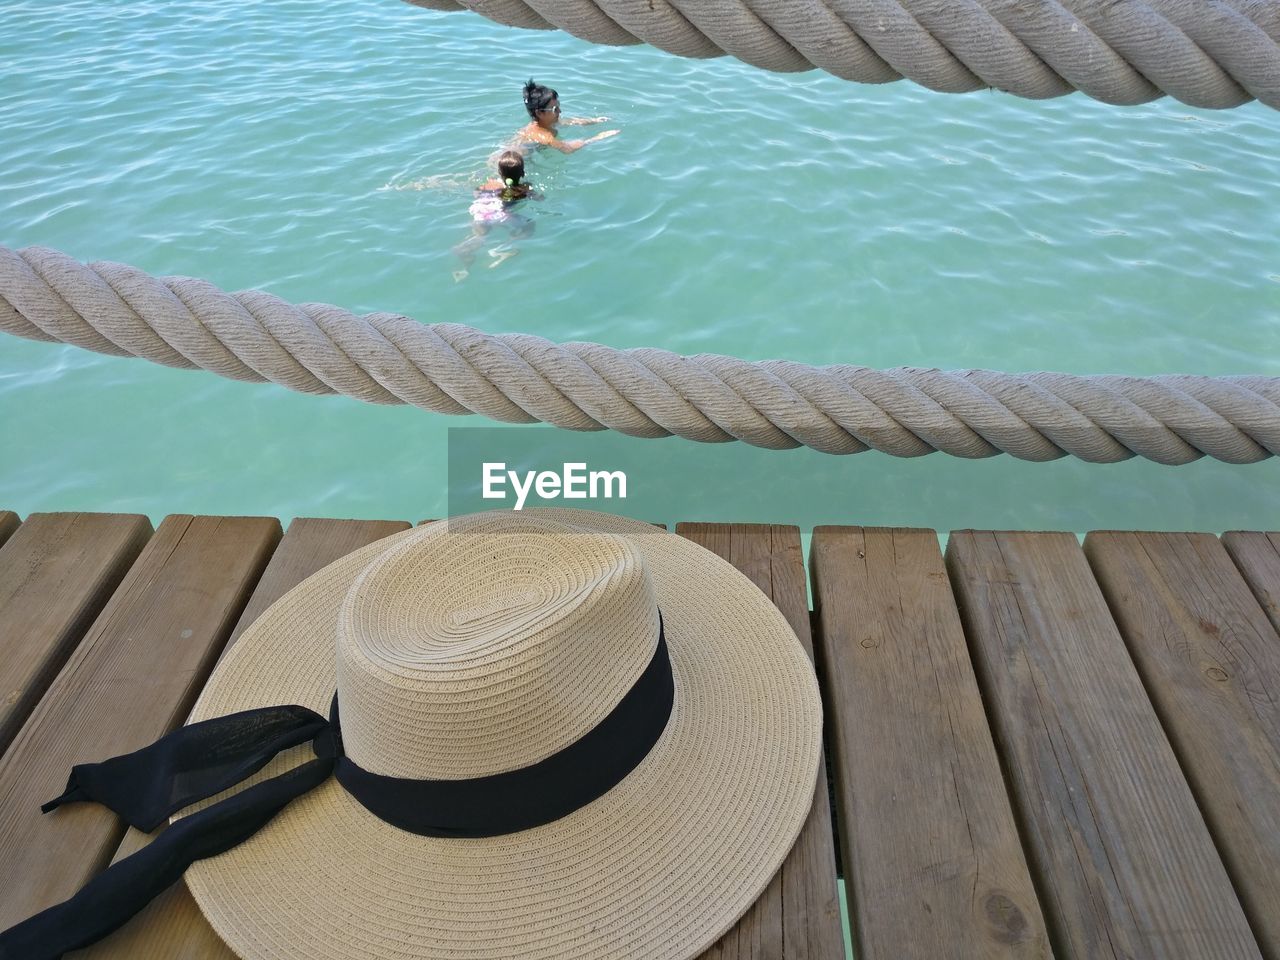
column 511, row 166
column 536, row 97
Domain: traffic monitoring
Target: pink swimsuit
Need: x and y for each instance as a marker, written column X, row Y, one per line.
column 489, row 208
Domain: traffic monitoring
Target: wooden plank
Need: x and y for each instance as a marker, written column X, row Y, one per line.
column 798, row 915
column 310, row 544
column 133, row 678
column 1257, row 555
column 8, row 524
column 56, row 572
column 933, row 864
column 1210, row 661
column 1123, row 860
column 172, row 926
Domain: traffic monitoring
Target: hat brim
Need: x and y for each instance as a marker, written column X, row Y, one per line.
column 658, row 868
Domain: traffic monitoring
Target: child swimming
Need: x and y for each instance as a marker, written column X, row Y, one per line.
column 495, row 198
column 492, row 206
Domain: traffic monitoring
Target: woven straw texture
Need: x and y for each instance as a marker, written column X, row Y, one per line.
column 484, row 650
column 658, row 868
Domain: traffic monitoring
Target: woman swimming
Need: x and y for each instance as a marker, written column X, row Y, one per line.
column 543, row 105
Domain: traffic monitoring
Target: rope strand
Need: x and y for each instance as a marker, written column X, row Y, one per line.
column 1206, row 53
column 452, row 369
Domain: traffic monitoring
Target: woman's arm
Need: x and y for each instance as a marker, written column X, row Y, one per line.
column 570, row 146
column 582, row 121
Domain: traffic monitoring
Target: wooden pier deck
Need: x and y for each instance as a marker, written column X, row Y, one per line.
column 1036, row 747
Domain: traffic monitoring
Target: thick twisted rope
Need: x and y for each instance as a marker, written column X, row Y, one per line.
column 453, row 369
column 1207, row 53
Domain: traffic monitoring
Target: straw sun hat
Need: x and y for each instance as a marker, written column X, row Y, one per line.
column 485, row 646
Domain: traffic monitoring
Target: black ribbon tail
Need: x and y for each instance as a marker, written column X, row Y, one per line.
column 113, row 896
column 206, row 758
column 190, row 764
column 73, row 794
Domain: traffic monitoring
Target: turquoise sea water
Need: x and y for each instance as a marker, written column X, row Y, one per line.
column 324, row 153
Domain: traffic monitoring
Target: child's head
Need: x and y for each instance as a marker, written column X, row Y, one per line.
column 538, row 98
column 511, row 167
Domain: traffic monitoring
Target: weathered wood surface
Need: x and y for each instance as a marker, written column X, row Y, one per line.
column 56, row 572
column 798, row 915
column 132, row 678
column 8, row 524
column 172, row 926
column 1119, row 852
column 1258, row 557
column 933, row 865
column 1125, row 864
column 1210, row 661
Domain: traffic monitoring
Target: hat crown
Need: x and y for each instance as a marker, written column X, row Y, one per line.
column 488, row 644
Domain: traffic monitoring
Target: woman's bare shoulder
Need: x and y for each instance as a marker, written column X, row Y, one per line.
column 536, row 133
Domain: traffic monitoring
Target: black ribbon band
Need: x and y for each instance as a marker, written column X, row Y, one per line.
column 198, row 761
